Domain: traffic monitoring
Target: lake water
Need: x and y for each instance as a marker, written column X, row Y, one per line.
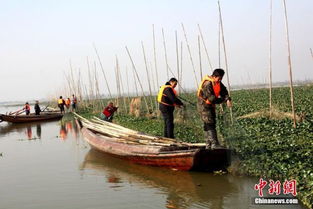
column 48, row 165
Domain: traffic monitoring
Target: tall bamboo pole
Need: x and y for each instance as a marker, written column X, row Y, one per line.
column 135, row 84
column 311, row 52
column 121, row 88
column 134, row 68
column 102, row 69
column 200, row 63
column 147, row 71
column 270, row 58
column 225, row 56
column 193, row 66
column 155, row 59
column 205, row 48
column 219, row 43
column 165, row 54
column 181, row 61
column 177, row 61
column 290, row 69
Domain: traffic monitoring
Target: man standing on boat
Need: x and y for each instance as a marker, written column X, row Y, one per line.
column 26, row 108
column 167, row 99
column 74, row 103
column 61, row 104
column 37, row 108
column 211, row 91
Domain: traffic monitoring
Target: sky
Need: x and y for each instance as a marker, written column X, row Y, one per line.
column 39, row 39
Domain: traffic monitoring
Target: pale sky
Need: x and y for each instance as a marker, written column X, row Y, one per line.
column 38, row 38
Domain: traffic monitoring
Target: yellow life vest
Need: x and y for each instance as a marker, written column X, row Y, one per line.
column 161, row 94
column 216, row 88
column 60, row 101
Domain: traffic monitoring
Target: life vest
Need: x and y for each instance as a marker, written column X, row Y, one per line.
column 60, row 101
column 27, row 107
column 161, row 94
column 216, row 88
column 67, row 102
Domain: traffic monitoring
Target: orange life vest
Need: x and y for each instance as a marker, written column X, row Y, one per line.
column 216, row 88
column 67, row 102
column 161, row 94
column 27, row 107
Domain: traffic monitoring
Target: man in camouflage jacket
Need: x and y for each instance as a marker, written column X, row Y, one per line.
column 211, row 92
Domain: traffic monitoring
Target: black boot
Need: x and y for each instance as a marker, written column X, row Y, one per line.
column 214, row 141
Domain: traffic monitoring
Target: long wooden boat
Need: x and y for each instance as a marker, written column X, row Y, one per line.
column 180, row 156
column 44, row 116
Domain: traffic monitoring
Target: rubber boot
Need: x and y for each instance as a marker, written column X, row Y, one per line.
column 208, row 140
column 214, row 141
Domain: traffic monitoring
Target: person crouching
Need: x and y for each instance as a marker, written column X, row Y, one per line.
column 108, row 112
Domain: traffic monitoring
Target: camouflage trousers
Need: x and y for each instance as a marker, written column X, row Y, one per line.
column 208, row 116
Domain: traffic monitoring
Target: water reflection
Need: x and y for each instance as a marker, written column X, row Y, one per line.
column 68, row 127
column 183, row 189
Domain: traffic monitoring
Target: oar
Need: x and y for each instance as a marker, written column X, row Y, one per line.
column 45, row 108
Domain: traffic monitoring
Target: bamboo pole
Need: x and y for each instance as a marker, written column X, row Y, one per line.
column 97, row 87
column 205, row 48
column 311, row 52
column 193, row 66
column 225, row 56
column 181, row 61
column 200, row 63
column 155, row 59
column 290, row 68
column 165, row 54
column 134, row 68
column 219, row 43
column 102, row 69
column 270, row 59
column 177, row 61
column 127, row 82
column 135, row 84
column 91, row 89
column 148, row 77
column 121, row 86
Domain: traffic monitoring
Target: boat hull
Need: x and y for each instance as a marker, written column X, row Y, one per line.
column 31, row 117
column 180, row 158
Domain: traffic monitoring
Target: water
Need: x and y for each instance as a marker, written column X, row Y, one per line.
column 48, row 165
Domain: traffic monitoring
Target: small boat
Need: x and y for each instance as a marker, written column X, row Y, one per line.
column 44, row 116
column 149, row 150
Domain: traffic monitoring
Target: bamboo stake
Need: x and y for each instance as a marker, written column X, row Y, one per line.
column 225, row 56
column 106, row 81
column 134, row 68
column 311, row 52
column 219, row 43
column 97, row 87
column 270, row 59
column 135, row 83
column 290, row 68
column 148, row 77
column 177, row 61
column 121, row 85
column 200, row 63
column 128, row 93
column 91, row 89
column 117, row 83
column 181, row 61
column 72, row 78
column 205, row 48
column 193, row 66
column 165, row 54
column 155, row 62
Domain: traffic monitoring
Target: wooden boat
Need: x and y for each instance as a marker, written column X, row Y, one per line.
column 150, row 150
column 44, row 116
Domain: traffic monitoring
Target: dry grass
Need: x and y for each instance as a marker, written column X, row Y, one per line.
column 276, row 115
